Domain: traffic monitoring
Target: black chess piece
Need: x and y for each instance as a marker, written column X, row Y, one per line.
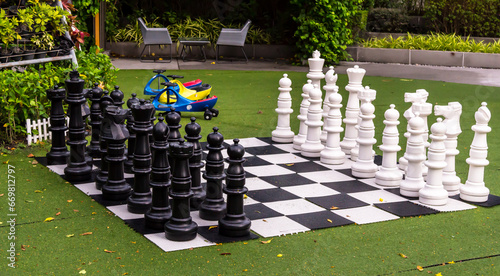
column 78, row 169
column 235, row 223
column 181, row 227
column 193, row 136
column 214, row 207
column 58, row 152
column 140, row 201
column 117, row 96
column 95, row 95
column 131, row 140
column 173, row 120
column 116, row 188
column 102, row 175
column 160, row 211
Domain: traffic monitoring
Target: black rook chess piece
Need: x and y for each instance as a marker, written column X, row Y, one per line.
column 102, row 176
column 116, row 188
column 140, row 200
column 131, row 140
column 160, row 179
column 214, row 207
column 58, row 152
column 193, row 136
column 95, row 95
column 235, row 223
column 77, row 169
column 181, row 227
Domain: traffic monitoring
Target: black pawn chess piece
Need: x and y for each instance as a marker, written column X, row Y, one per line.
column 116, row 188
column 140, row 201
column 160, row 211
column 131, row 140
column 173, row 120
column 180, row 227
column 78, row 169
column 95, row 95
column 58, row 152
column 214, row 207
column 193, row 136
column 102, row 175
column 235, row 223
column 117, row 96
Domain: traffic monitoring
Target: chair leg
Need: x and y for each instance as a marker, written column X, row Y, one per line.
column 140, row 56
column 243, row 50
column 170, row 53
column 217, row 53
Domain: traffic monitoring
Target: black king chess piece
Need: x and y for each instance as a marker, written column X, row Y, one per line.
column 116, row 188
column 181, row 227
column 58, row 152
column 95, row 95
column 140, row 200
column 77, row 169
column 235, row 223
column 214, row 207
column 131, row 140
column 102, row 176
column 193, row 136
column 160, row 211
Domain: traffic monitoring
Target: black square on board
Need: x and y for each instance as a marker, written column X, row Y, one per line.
column 139, row 225
column 353, row 186
column 99, row 198
column 268, row 140
column 264, row 150
column 212, row 234
column 319, row 220
column 287, row 180
column 340, row 201
column 260, row 211
column 493, row 200
column 405, row 209
column 255, row 161
column 270, row 195
column 303, row 167
column 396, row 192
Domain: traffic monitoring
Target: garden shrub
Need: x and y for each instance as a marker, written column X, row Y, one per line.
column 387, row 20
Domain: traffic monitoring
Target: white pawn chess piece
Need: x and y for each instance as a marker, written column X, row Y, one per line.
column 419, row 96
column 451, row 114
column 415, row 154
column 474, row 189
column 330, row 87
column 364, row 98
column 312, row 147
column 433, row 192
column 365, row 167
column 316, row 68
column 283, row 132
column 300, row 138
column 355, row 76
column 333, row 154
column 388, row 174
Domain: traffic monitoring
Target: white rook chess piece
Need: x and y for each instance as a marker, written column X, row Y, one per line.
column 300, row 138
column 283, row 132
column 420, row 96
column 433, row 192
column 451, row 114
column 415, row 154
column 330, row 87
column 316, row 69
column 332, row 154
column 364, row 98
column 312, row 147
column 355, row 76
column 365, row 166
column 388, row 174
column 474, row 189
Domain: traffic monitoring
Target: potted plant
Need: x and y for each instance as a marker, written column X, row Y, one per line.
column 7, row 33
column 44, row 43
column 26, row 20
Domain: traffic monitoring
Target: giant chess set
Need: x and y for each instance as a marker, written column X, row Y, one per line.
column 179, row 193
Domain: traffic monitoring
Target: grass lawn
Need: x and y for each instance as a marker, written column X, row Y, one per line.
column 247, row 101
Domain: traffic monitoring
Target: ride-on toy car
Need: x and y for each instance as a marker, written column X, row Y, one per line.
column 153, row 87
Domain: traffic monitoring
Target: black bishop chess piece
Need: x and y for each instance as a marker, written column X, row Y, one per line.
column 235, row 223
column 160, row 211
column 102, row 175
column 140, row 201
column 193, row 136
column 131, row 140
column 58, row 153
column 181, row 227
column 78, row 169
column 116, row 188
column 95, row 95
column 214, row 207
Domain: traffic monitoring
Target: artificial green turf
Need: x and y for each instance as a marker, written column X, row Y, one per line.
column 247, row 102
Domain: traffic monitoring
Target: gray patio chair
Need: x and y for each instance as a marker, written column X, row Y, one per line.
column 154, row 36
column 232, row 37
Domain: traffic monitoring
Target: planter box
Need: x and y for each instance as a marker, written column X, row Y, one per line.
column 382, row 55
column 482, row 60
column 440, row 58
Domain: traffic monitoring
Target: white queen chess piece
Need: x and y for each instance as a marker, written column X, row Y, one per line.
column 312, row 147
column 283, row 132
column 300, row 138
column 355, row 76
column 332, row 154
column 330, row 88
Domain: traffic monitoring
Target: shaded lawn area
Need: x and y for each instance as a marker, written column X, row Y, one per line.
column 246, row 102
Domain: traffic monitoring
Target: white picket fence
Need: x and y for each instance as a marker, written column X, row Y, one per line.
column 42, row 127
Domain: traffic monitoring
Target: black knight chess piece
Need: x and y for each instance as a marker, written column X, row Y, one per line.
column 58, row 152
column 193, row 136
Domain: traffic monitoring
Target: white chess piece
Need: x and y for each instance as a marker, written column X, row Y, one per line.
column 415, row 154
column 312, row 147
column 474, row 189
column 333, row 154
column 330, row 87
column 355, row 76
column 388, row 174
column 364, row 98
column 451, row 114
column 424, row 110
column 433, row 192
column 300, row 138
column 283, row 132
column 365, row 167
column 316, row 68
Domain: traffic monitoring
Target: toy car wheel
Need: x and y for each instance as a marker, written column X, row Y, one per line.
column 207, row 115
column 215, row 112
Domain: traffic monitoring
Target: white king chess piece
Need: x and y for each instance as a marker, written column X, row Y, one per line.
column 316, row 68
column 330, row 87
column 300, row 138
column 474, row 189
column 355, row 76
column 283, row 132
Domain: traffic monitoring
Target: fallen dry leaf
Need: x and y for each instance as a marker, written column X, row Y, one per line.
column 329, row 220
column 420, row 268
column 265, row 242
column 279, row 255
column 70, row 235
column 34, row 162
column 225, row 253
column 403, row 255
column 212, row 227
column 31, row 155
column 22, row 247
column 74, row 210
column 381, row 200
column 109, row 251
column 69, row 200
column 49, row 219
column 333, row 208
column 58, row 213
column 38, row 191
column 1, row 194
column 86, row 233
column 82, row 271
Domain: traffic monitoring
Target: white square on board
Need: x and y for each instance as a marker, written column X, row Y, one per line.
column 268, row 170
column 366, row 214
column 277, row 226
column 310, row 190
column 88, row 188
column 255, row 183
column 122, row 212
column 249, row 142
column 167, row 245
column 326, row 176
column 282, row 158
column 377, row 196
column 452, row 205
column 286, row 147
column 294, row 206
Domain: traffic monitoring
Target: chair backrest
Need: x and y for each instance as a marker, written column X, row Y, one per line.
column 143, row 26
column 245, row 28
column 154, row 35
column 234, row 37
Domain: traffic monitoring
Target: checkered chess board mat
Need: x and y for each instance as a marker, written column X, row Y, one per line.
column 289, row 193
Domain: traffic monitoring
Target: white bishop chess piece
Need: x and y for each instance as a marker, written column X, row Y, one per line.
column 355, row 76
column 300, row 138
column 330, row 88
column 333, row 154
column 312, row 147
column 283, row 132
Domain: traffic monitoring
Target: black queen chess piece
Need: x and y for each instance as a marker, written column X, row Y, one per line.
column 102, row 175
column 193, row 136
column 78, row 169
column 58, row 152
column 131, row 140
column 95, row 95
